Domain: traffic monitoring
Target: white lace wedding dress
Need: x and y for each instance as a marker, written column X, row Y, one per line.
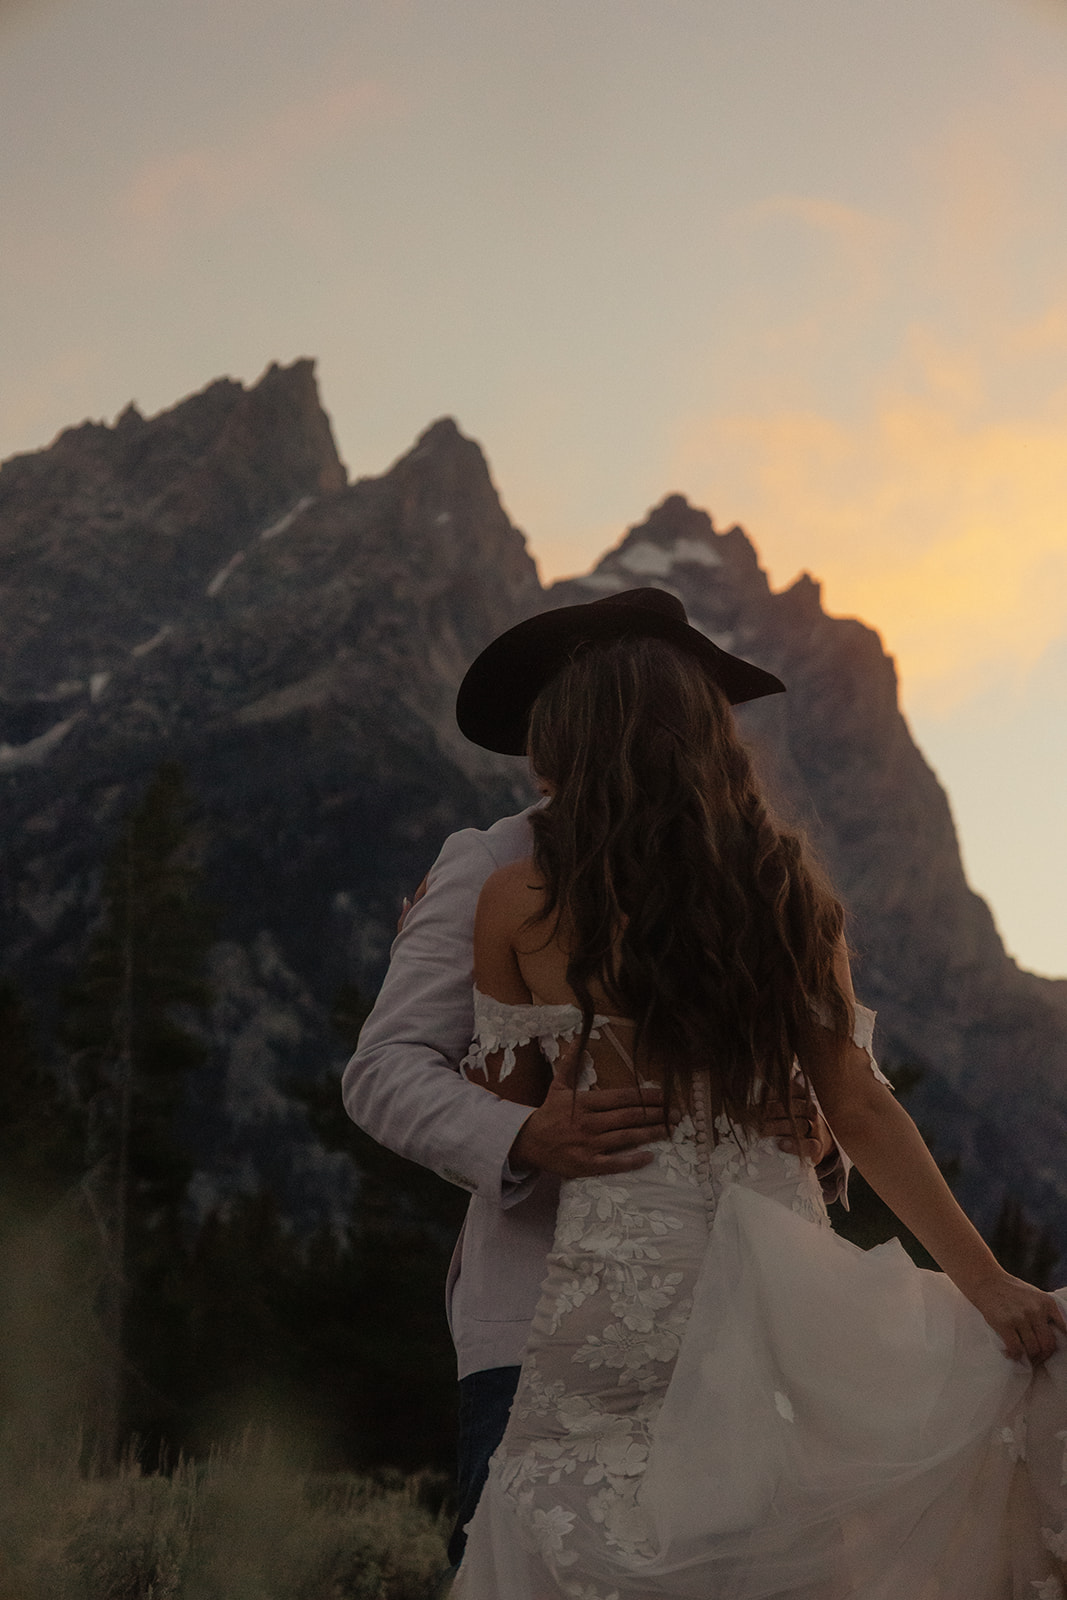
column 722, row 1400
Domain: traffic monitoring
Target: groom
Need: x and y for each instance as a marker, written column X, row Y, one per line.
column 404, row 1088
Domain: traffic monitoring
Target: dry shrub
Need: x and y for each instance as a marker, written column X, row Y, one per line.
column 244, row 1525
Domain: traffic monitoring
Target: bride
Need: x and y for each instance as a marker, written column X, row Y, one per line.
column 721, row 1399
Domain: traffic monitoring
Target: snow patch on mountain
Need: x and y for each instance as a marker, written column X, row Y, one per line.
column 610, row 582
column 285, row 522
column 223, row 573
column 648, row 560
column 36, row 750
column 157, row 638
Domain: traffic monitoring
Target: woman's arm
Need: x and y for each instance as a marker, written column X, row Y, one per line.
column 497, row 974
column 889, row 1151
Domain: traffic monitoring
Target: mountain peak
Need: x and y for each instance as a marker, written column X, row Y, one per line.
column 674, row 536
column 673, row 516
column 129, row 417
column 444, row 431
column 113, row 532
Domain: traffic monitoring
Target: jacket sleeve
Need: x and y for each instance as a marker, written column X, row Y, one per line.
column 403, row 1085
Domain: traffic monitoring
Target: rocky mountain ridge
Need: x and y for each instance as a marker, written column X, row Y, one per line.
column 206, row 586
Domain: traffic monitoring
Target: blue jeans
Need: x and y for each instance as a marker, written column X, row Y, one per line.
column 484, row 1405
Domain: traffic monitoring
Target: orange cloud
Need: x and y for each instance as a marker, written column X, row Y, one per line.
column 949, row 535
column 198, row 185
column 858, row 239
column 914, row 459
column 1044, row 333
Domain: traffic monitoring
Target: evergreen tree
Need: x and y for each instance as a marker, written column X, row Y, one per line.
column 1022, row 1247
column 41, row 1131
column 373, row 1304
column 49, row 1260
column 133, row 1052
column 339, row 1337
column 247, row 1279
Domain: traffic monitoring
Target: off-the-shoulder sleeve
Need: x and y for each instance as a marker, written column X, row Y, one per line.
column 500, row 1026
column 862, row 1035
column 497, row 1027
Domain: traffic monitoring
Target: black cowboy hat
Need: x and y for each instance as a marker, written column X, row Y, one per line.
column 501, row 685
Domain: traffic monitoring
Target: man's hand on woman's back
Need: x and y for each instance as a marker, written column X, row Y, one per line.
column 591, row 1133
column 608, row 1130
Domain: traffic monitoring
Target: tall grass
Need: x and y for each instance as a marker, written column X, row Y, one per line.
column 244, row 1525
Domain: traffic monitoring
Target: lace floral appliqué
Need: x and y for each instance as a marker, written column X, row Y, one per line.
column 498, row 1026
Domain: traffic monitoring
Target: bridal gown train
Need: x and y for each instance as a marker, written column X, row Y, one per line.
column 722, row 1400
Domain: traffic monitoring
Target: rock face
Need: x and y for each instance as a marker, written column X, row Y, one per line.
column 205, row 586
column 115, row 533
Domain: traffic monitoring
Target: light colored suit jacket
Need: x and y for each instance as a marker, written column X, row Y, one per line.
column 404, row 1088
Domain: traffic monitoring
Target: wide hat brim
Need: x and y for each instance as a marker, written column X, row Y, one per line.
column 496, row 696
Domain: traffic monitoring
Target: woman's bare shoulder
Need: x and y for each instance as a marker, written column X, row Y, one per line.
column 513, row 893
column 504, row 909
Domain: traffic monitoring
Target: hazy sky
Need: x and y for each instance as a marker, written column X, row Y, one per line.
column 804, row 261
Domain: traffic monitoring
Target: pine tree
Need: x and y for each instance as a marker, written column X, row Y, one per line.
column 41, row 1131
column 133, row 1051
column 1023, row 1247
column 49, row 1263
column 374, row 1324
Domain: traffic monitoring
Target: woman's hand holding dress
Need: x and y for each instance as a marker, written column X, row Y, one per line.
column 1025, row 1318
column 889, row 1151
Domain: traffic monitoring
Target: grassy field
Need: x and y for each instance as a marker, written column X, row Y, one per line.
column 241, row 1526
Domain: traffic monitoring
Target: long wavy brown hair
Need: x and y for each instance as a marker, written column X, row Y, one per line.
column 679, row 899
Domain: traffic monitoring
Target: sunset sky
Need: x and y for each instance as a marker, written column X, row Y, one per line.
column 804, row 261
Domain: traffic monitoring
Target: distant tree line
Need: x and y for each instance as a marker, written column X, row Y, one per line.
column 125, row 1322
column 147, row 1328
